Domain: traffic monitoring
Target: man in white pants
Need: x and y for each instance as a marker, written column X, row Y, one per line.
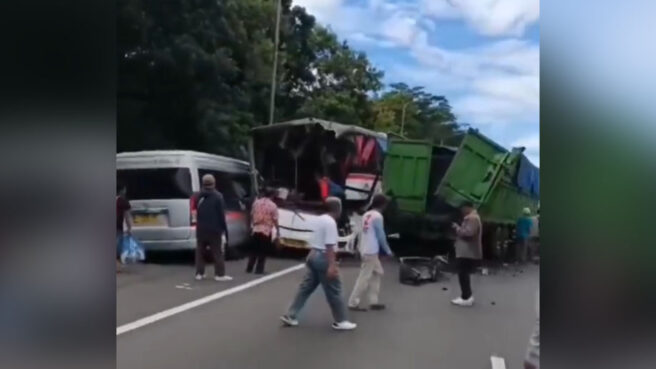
column 372, row 242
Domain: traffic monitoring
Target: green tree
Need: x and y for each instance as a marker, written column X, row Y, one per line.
column 342, row 80
column 196, row 74
column 427, row 116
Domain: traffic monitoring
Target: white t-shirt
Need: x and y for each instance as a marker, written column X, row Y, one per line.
column 324, row 231
column 370, row 245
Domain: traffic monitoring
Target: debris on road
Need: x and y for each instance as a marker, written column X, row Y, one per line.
column 417, row 270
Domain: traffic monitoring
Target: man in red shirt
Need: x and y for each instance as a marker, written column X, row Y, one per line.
column 265, row 221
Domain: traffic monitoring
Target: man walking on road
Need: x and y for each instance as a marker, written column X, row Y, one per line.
column 265, row 220
column 211, row 229
column 322, row 269
column 469, row 251
column 373, row 241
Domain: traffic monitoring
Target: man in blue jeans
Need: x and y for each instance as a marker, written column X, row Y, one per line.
column 322, row 269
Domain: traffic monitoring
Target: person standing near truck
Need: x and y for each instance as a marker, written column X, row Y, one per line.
column 469, row 251
column 373, row 242
column 522, row 235
column 535, row 235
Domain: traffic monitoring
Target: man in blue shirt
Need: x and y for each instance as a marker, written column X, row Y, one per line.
column 523, row 233
column 372, row 243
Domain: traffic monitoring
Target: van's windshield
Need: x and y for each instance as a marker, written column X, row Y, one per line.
column 156, row 183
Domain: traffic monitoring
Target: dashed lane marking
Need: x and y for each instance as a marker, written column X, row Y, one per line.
column 498, row 362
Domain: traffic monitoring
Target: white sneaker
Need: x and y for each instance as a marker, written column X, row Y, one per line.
column 199, row 277
column 344, row 326
column 461, row 302
column 225, row 278
column 290, row 322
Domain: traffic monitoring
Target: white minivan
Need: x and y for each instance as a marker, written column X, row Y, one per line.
column 160, row 185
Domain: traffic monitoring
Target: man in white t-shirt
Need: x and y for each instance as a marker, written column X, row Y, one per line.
column 322, row 269
column 373, row 241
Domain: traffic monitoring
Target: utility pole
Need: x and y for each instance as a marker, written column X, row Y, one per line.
column 403, row 117
column 272, row 104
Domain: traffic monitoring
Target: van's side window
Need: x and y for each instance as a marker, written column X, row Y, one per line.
column 156, row 183
column 235, row 188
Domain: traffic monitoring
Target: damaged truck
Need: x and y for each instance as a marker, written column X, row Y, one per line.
column 308, row 159
column 429, row 182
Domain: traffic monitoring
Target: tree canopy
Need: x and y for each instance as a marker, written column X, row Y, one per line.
column 196, row 74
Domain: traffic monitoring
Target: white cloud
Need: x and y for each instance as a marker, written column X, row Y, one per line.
column 523, row 90
column 320, row 7
column 482, row 109
column 532, row 145
column 363, row 38
column 497, row 83
column 501, row 80
column 401, row 30
column 489, row 17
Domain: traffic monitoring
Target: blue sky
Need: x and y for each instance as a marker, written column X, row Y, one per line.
column 483, row 55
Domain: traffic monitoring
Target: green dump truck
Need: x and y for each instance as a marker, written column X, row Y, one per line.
column 429, row 182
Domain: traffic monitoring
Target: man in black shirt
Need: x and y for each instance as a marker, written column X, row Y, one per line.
column 211, row 229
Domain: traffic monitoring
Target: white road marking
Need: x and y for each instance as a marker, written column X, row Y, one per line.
column 202, row 301
column 498, row 362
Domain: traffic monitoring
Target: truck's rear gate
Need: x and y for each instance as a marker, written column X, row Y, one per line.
column 406, row 174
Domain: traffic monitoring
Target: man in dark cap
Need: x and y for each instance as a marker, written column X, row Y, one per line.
column 211, row 229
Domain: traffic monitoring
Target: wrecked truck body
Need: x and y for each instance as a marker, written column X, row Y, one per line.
column 292, row 158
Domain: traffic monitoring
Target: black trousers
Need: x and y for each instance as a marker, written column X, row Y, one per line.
column 465, row 268
column 260, row 246
column 214, row 243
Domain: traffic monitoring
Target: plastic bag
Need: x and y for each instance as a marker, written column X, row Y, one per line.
column 131, row 250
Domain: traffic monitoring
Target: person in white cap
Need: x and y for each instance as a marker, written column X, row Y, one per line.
column 321, row 269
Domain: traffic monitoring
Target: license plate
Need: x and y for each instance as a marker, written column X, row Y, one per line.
column 293, row 243
column 145, row 220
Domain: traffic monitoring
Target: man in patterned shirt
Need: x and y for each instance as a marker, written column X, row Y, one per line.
column 264, row 216
column 372, row 243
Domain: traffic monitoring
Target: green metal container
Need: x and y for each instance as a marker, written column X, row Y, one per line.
column 429, row 183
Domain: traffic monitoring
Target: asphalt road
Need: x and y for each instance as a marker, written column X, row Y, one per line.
column 420, row 329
